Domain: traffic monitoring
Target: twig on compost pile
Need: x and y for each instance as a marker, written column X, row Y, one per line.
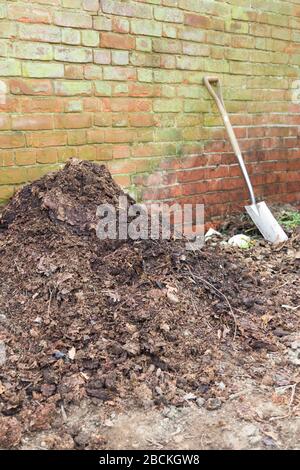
column 293, row 387
column 50, row 300
column 200, row 316
column 222, row 295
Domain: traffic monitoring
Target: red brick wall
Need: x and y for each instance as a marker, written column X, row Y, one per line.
column 120, row 82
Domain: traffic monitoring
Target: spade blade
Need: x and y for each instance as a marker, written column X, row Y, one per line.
column 266, row 223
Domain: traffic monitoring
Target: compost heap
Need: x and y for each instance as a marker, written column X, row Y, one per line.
column 112, row 321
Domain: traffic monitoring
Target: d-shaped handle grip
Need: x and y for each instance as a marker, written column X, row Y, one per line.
column 217, row 95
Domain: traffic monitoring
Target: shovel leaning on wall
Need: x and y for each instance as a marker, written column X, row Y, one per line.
column 258, row 211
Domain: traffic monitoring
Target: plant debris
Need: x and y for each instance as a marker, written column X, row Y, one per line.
column 119, row 321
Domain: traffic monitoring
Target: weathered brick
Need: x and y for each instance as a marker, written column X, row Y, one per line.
column 19, row 86
column 46, row 156
column 91, row 5
column 235, row 54
column 3, row 11
column 74, row 71
column 172, row 15
column 146, row 27
column 11, row 140
column 46, row 139
column 4, row 47
column 102, row 88
column 71, row 36
column 198, row 21
column 120, row 120
column 42, row 70
column 73, row 106
column 101, row 23
column 102, row 57
column 65, row 153
column 5, row 123
column 192, row 34
column 194, row 106
column 221, row 66
column 25, row 157
column 32, row 50
column 72, row 88
column 167, row 46
column 6, row 192
column 29, row 13
column 73, row 20
column 145, row 75
column 104, row 152
column 77, row 137
column 167, row 106
column 118, row 73
column 167, row 91
column 169, row 31
column 246, row 42
column 168, row 61
column 116, row 41
column 8, row 29
column 244, row 14
column 212, row 8
column 168, row 135
column 92, row 104
column 140, row 59
column 189, row 63
column 7, row 158
column 144, row 44
column 73, row 121
column 95, row 136
column 13, row 175
column 49, row 2
column 121, row 151
column 90, row 38
column 130, row 105
column 120, row 25
column 32, row 122
column 75, row 54
column 10, row 68
column 120, row 57
column 89, row 152
column 257, row 29
column 40, row 104
column 119, row 135
column 167, row 76
column 93, row 72
column 232, row 26
column 36, row 172
column 71, row 3
column 190, row 48
column 43, row 33
column 103, row 119
column 281, row 33
column 120, row 8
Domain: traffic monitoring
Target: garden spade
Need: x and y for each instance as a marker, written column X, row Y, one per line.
column 258, row 211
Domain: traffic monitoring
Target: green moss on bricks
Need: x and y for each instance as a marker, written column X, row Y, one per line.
column 72, row 87
column 10, row 68
column 146, row 27
column 167, row 106
column 6, row 192
column 90, row 38
column 102, row 88
column 41, row 70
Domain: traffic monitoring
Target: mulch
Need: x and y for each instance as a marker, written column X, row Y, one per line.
column 112, row 321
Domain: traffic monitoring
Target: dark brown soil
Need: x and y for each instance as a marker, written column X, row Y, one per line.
column 145, row 321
